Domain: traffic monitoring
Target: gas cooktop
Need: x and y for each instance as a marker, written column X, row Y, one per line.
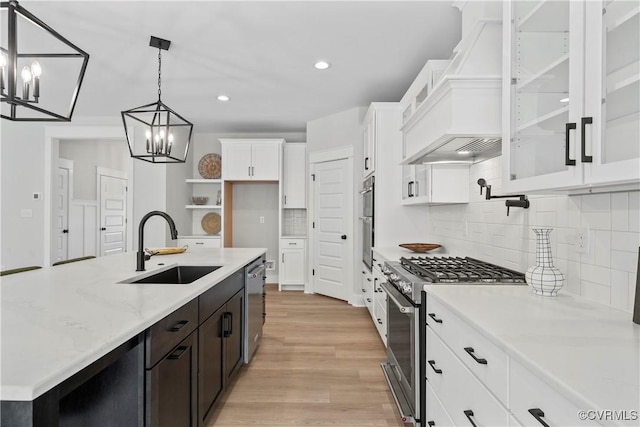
column 459, row 270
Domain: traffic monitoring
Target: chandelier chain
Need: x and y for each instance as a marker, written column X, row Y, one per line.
column 159, row 73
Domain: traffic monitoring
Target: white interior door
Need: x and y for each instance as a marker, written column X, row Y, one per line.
column 113, row 214
column 331, row 249
column 61, row 211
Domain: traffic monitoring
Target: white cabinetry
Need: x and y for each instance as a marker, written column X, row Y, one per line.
column 571, row 94
column 295, row 176
column 292, row 263
column 369, row 142
column 251, row 159
column 435, row 184
column 211, row 188
column 200, row 242
column 379, row 312
column 367, row 289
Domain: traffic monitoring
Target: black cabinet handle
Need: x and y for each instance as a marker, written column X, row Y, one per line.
column 65, row 231
column 583, row 139
column 368, row 299
column 227, row 319
column 410, row 188
column 431, row 424
column 567, row 128
column 364, row 290
column 379, row 321
column 178, row 353
column 469, row 414
column 435, row 319
column 368, row 279
column 470, row 352
column 538, row 414
column 103, row 228
column 366, row 163
column 181, row 324
column 432, row 363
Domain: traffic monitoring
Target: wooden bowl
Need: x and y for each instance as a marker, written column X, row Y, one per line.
column 420, row 247
column 199, row 200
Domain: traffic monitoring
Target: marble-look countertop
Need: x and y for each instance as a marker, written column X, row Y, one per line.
column 57, row 320
column 588, row 352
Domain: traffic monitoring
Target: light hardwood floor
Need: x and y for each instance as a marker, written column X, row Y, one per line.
column 318, row 365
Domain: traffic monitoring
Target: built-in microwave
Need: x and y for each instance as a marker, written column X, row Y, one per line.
column 367, row 220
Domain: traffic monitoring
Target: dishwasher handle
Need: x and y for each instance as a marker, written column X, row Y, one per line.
column 256, row 272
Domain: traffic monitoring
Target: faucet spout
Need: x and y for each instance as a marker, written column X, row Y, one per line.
column 141, row 256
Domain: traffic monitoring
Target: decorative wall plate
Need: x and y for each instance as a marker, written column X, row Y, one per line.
column 211, row 223
column 210, row 166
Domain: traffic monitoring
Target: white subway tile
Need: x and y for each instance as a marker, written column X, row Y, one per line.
column 626, row 261
column 596, row 274
column 628, row 242
column 620, row 211
column 567, row 252
column 634, row 211
column 600, row 244
column 596, row 220
column 568, row 212
column 596, row 292
column 620, row 290
column 596, row 203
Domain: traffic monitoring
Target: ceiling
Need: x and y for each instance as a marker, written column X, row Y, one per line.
column 259, row 53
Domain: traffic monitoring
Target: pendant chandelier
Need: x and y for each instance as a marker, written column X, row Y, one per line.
column 155, row 133
column 40, row 71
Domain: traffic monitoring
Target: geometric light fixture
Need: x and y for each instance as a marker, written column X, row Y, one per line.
column 155, row 133
column 40, row 71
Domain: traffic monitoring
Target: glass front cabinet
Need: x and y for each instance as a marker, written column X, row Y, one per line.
column 571, row 92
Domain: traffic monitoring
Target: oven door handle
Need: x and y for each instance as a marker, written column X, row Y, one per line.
column 390, row 290
column 365, row 218
column 366, row 190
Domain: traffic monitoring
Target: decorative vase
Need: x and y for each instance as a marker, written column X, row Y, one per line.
column 544, row 278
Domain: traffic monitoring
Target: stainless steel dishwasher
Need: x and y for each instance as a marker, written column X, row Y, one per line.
column 254, row 315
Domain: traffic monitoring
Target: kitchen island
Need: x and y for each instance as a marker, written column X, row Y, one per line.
column 61, row 324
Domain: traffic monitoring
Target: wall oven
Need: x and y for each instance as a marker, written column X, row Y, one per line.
column 367, row 220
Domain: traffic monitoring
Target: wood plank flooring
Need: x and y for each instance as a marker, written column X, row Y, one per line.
column 318, row 365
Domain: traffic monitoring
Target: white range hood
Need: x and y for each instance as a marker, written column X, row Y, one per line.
column 460, row 121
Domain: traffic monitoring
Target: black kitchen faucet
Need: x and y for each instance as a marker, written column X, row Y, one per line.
column 141, row 256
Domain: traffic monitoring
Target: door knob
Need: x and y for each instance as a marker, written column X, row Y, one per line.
column 343, row 237
column 65, row 231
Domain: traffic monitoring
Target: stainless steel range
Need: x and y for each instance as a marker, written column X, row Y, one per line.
column 406, row 317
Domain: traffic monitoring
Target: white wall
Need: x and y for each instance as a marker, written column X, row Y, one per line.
column 89, row 154
column 21, row 174
column 481, row 229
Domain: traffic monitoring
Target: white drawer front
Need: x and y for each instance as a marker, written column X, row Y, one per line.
column 292, row 243
column 465, row 399
column 488, row 362
column 528, row 392
column 436, row 413
column 195, row 243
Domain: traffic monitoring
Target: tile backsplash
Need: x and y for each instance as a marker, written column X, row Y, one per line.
column 482, row 229
column 294, row 222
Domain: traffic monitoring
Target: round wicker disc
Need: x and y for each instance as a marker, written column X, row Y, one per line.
column 211, row 223
column 210, row 166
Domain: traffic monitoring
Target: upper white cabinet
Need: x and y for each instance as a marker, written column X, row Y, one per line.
column 571, row 94
column 435, row 184
column 251, row 159
column 295, row 176
column 369, row 138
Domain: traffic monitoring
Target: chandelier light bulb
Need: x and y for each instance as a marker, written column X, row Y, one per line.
column 36, row 69
column 26, row 75
column 147, row 134
column 3, row 60
column 170, row 137
column 162, row 133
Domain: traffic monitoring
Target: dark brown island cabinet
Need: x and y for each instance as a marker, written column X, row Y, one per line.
column 174, row 374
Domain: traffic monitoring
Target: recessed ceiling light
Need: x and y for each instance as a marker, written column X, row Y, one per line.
column 223, row 98
column 322, row 65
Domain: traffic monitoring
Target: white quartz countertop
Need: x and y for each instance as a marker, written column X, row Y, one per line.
column 588, row 352
column 57, row 320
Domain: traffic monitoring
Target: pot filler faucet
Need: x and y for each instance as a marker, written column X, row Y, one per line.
column 522, row 201
column 141, row 256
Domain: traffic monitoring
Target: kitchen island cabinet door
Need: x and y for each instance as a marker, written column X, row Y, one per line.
column 233, row 335
column 172, row 387
column 210, row 347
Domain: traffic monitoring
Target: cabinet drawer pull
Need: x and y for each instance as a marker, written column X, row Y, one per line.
column 410, row 188
column 368, row 299
column 199, row 243
column 227, row 321
column 293, row 244
column 181, row 324
column 470, row 352
column 431, row 424
column 364, row 290
column 379, row 321
column 583, row 139
column 435, row 319
column 366, row 163
column 469, row 414
column 432, row 363
column 368, row 279
column 568, row 127
column 537, row 413
column 178, row 353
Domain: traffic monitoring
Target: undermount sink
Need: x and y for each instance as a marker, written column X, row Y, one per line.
column 178, row 275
